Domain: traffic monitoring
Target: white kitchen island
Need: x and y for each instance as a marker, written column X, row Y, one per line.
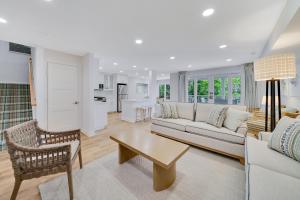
column 129, row 108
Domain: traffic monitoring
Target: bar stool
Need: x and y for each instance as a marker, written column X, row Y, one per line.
column 149, row 112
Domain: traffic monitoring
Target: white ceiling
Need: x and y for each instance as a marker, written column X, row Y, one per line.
column 290, row 38
column 167, row 27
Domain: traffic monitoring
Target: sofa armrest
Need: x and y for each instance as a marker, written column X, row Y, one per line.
column 264, row 136
column 243, row 129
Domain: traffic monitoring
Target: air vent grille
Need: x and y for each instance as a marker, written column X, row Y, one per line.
column 19, row 48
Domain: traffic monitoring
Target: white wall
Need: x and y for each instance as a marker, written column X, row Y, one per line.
column 90, row 66
column 132, row 94
column 13, row 66
column 41, row 57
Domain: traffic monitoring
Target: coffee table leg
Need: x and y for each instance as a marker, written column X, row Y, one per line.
column 162, row 177
column 125, row 154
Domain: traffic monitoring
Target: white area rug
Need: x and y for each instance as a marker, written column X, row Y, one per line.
column 200, row 175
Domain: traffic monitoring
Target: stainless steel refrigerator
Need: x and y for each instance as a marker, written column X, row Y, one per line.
column 121, row 95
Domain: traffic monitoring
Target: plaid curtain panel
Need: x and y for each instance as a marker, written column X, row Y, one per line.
column 15, row 107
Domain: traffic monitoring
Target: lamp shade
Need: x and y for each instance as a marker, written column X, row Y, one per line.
column 281, row 66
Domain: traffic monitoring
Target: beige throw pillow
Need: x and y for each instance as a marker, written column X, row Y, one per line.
column 234, row 118
column 217, row 115
column 169, row 110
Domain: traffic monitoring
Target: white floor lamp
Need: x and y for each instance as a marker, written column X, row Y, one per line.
column 272, row 69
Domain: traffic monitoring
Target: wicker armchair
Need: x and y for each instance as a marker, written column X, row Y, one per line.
column 35, row 153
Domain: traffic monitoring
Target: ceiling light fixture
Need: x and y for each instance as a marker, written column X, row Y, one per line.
column 3, row 21
column 223, row 46
column 146, row 69
column 48, row 0
column 228, row 59
column 139, row 41
column 189, row 66
column 100, row 68
column 133, row 66
column 172, row 58
column 208, row 12
column 121, row 71
column 115, row 64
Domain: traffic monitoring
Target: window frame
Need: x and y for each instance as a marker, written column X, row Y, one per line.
column 211, row 78
column 165, row 91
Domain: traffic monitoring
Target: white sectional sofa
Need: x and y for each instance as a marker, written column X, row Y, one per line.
column 191, row 128
column 270, row 174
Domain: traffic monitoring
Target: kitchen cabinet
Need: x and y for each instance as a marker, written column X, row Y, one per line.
column 108, row 82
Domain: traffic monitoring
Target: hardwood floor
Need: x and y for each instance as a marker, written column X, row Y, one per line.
column 92, row 149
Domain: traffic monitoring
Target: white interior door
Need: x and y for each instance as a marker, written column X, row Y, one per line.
column 63, row 98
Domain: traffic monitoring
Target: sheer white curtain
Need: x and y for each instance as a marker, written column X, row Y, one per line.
column 181, row 86
column 251, row 96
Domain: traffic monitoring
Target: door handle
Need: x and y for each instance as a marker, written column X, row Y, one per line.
column 76, row 102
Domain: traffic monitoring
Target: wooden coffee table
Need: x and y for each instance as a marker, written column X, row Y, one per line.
column 161, row 151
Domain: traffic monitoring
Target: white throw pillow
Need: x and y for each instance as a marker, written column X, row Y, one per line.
column 234, row 118
column 217, row 115
column 286, row 138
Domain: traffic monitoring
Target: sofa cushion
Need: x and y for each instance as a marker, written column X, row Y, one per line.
column 286, row 138
column 185, row 111
column 224, row 134
column 178, row 124
column 234, row 118
column 264, row 184
column 217, row 115
column 257, row 152
column 202, row 110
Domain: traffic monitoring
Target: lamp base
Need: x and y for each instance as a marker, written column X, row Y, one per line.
column 272, row 84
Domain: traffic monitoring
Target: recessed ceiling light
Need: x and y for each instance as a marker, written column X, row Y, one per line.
column 100, row 68
column 189, row 66
column 3, row 21
column 228, row 59
column 223, row 46
column 115, row 64
column 172, row 58
column 208, row 12
column 121, row 71
column 139, row 41
column 133, row 66
column 48, row 0
column 146, row 69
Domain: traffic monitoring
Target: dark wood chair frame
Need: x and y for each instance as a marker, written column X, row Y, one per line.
column 29, row 161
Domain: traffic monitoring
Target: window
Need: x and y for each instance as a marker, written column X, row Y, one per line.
column 167, row 91
column 221, row 90
column 218, row 89
column 161, row 91
column 164, row 91
column 202, row 91
column 236, row 89
column 191, row 91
